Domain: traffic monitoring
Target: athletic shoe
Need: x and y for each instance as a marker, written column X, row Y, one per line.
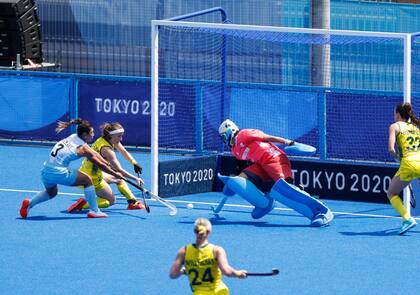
column 78, row 206
column 96, row 214
column 407, row 225
column 322, row 219
column 135, row 206
column 24, row 208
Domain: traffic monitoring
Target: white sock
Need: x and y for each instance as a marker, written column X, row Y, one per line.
column 90, row 197
column 39, row 198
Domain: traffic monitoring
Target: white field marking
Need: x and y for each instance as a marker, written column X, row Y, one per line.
column 34, row 192
column 212, row 204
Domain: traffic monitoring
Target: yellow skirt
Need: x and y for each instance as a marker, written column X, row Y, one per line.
column 409, row 169
column 221, row 289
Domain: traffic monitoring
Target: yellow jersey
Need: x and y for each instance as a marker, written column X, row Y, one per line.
column 88, row 166
column 202, row 269
column 408, row 140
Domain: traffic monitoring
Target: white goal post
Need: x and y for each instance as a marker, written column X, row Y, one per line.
column 157, row 25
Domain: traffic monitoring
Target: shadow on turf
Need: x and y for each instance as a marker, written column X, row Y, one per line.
column 110, row 212
column 44, row 218
column 245, row 211
column 381, row 233
column 380, row 209
column 353, row 215
column 222, row 221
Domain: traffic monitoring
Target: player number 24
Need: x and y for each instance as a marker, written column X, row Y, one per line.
column 207, row 277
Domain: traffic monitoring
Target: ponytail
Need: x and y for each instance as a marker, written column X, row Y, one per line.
column 83, row 126
column 413, row 118
column 406, row 112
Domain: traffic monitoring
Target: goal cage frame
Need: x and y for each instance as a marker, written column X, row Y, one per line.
column 406, row 39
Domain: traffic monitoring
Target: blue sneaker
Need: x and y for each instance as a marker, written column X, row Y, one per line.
column 407, row 225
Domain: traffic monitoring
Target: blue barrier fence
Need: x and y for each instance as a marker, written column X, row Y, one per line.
column 312, row 112
column 113, row 38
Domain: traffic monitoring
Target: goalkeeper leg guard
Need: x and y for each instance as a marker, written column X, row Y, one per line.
column 247, row 190
column 301, row 202
column 258, row 212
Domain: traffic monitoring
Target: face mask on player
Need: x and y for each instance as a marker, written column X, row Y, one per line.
column 227, row 131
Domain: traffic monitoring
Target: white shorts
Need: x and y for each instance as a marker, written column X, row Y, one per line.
column 53, row 175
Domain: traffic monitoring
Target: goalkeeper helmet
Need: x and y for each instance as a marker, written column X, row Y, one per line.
column 227, row 131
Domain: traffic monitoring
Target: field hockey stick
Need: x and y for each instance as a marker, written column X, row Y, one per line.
column 170, row 206
column 273, row 272
column 144, row 199
column 219, row 206
column 413, row 202
column 173, row 210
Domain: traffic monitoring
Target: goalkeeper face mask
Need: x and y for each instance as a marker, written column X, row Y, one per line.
column 227, row 130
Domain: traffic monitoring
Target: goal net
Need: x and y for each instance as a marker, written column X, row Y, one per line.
column 335, row 90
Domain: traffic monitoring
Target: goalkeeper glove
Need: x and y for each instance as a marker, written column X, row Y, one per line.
column 137, row 168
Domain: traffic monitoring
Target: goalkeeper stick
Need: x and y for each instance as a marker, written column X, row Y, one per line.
column 273, row 272
column 219, row 206
column 170, row 206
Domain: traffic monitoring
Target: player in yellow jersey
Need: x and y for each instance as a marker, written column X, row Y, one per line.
column 204, row 263
column 405, row 134
column 106, row 145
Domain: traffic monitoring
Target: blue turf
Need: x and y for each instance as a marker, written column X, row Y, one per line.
column 130, row 252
